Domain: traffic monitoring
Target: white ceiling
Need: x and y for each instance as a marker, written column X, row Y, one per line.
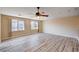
column 29, row 12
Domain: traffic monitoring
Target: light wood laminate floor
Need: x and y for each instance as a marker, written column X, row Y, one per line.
column 40, row 42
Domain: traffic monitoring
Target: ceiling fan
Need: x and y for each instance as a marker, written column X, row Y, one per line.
column 38, row 13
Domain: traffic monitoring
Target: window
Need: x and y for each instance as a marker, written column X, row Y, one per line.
column 17, row 25
column 34, row 25
column 14, row 25
column 21, row 25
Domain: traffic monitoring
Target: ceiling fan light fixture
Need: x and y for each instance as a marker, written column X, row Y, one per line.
column 38, row 17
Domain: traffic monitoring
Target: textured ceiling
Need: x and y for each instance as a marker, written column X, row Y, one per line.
column 29, row 12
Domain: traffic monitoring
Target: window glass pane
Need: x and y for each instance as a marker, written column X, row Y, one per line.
column 20, row 25
column 34, row 25
column 14, row 25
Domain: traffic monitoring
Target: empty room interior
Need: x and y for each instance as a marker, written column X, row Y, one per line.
column 39, row 29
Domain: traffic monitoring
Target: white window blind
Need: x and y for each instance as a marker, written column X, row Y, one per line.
column 34, row 25
column 14, row 25
column 17, row 25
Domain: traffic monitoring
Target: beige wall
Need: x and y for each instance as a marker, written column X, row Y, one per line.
column 6, row 27
column 67, row 26
column 0, row 28
column 40, row 26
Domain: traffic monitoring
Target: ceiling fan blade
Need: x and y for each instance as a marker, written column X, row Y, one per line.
column 38, row 14
column 45, row 15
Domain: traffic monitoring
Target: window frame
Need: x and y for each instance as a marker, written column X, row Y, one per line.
column 18, row 29
column 23, row 25
column 12, row 25
column 34, row 25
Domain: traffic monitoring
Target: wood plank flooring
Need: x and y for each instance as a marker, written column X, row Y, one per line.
column 40, row 42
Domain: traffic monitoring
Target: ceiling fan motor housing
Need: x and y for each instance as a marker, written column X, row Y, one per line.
column 37, row 14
